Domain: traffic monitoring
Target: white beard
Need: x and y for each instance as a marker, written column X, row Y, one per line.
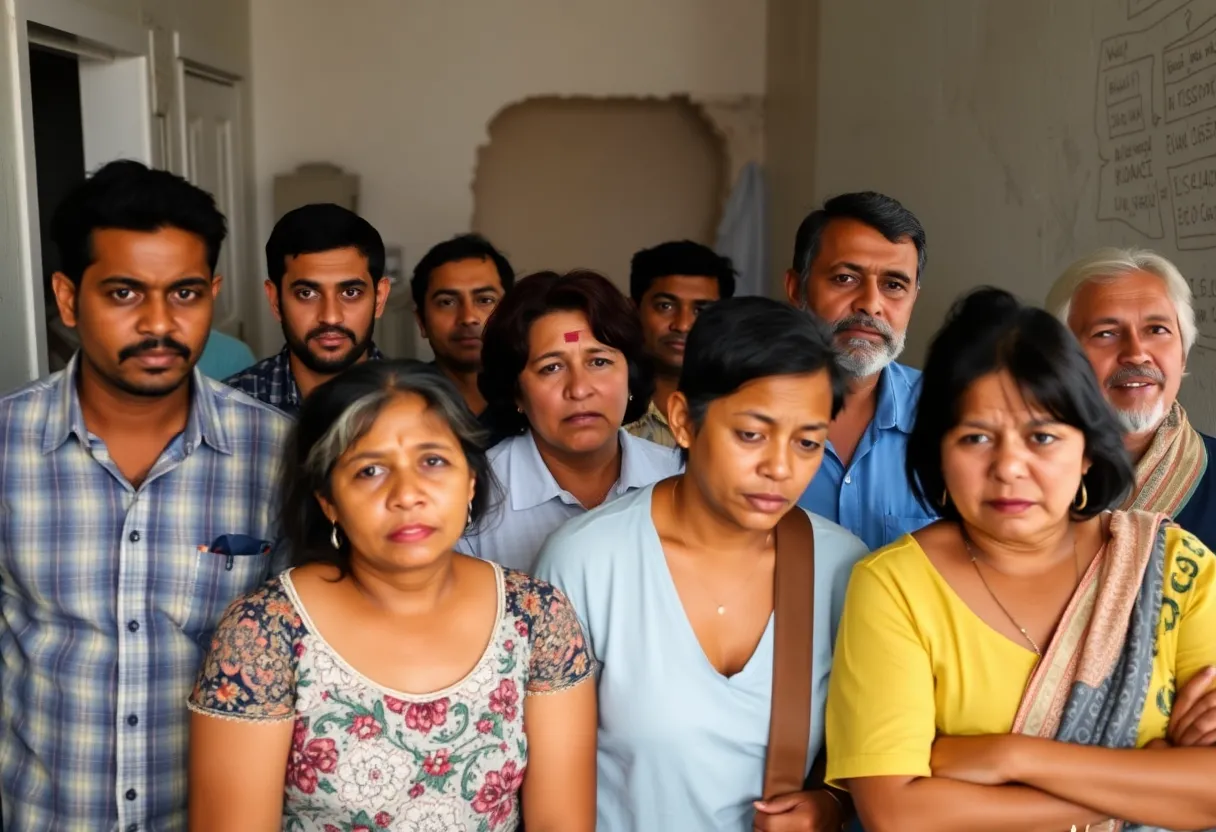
column 1142, row 420
column 861, row 358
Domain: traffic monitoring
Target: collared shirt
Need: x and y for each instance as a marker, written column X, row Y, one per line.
column 108, row 596
column 534, row 505
column 872, row 498
column 271, row 380
column 653, row 426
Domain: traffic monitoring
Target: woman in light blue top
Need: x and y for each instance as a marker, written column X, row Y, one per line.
column 563, row 366
column 674, row 583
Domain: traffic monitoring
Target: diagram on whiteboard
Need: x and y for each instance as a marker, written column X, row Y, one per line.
column 1156, row 124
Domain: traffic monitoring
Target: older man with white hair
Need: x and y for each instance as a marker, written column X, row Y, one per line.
column 1132, row 311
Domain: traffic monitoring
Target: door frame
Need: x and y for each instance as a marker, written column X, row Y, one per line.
column 100, row 35
column 237, row 214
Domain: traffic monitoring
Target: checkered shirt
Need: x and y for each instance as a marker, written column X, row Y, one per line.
column 109, row 595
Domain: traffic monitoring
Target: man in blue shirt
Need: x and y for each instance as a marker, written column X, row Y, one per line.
column 857, row 264
column 138, row 499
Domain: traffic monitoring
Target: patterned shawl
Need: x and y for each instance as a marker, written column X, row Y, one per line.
column 1171, row 468
column 1091, row 685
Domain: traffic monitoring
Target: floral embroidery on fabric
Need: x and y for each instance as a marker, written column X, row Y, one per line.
column 364, row 758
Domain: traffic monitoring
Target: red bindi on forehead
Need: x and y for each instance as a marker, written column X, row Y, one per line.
column 571, row 337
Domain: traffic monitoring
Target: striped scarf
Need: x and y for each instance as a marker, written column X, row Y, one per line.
column 1171, row 467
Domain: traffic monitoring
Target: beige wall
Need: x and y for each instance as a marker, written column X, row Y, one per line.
column 984, row 118
column 791, row 124
column 584, row 183
column 401, row 91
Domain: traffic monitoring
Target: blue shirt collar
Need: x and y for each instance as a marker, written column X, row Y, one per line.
column 530, row 483
column 898, row 391
column 66, row 417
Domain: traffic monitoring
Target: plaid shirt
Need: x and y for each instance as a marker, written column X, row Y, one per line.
column 109, row 594
column 653, row 426
column 271, row 380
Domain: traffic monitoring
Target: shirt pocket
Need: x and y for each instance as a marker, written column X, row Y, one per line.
column 219, row 578
column 895, row 526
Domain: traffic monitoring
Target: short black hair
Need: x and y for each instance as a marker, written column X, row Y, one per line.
column 335, row 416
column 129, row 196
column 879, row 211
column 322, row 226
column 680, row 257
column 460, row 247
column 743, row 339
column 989, row 331
column 504, row 341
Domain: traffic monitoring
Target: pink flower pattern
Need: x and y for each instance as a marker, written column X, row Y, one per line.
column 364, row 760
column 504, row 700
column 496, row 797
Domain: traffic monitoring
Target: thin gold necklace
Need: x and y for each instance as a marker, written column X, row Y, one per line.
column 721, row 608
column 972, row 552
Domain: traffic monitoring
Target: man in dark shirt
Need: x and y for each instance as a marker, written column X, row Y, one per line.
column 326, row 285
column 456, row 285
column 1133, row 313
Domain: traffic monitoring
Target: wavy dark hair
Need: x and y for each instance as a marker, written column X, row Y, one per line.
column 335, row 416
column 988, row 331
column 504, row 348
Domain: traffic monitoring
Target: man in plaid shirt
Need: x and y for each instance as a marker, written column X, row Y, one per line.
column 326, row 285
column 137, row 500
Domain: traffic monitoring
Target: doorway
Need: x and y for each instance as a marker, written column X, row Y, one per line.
column 59, row 167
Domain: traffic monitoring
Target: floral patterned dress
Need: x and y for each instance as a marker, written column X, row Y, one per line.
column 365, row 758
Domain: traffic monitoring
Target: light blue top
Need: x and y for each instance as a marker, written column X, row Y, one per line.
column 681, row 747
column 534, row 504
column 872, row 498
column 224, row 356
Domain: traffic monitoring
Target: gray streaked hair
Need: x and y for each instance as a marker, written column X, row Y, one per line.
column 1109, row 264
column 358, row 417
column 339, row 413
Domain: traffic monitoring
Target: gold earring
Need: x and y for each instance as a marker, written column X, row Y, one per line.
column 1083, row 500
column 945, row 496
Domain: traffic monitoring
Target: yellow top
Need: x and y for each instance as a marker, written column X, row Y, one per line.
column 913, row 661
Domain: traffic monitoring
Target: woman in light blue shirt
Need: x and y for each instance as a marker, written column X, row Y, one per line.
column 674, row 583
column 563, row 368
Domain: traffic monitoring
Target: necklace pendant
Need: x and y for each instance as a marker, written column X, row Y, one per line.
column 721, row 610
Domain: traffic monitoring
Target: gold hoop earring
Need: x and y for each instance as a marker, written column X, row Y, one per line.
column 945, row 497
column 1083, row 498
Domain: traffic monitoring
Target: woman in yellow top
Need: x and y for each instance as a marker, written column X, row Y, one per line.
column 1005, row 668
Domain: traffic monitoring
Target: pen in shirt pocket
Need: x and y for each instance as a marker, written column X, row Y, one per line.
column 232, row 546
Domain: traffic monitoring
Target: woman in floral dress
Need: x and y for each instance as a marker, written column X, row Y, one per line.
column 384, row 682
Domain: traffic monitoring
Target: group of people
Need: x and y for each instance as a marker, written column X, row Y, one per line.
column 532, row 581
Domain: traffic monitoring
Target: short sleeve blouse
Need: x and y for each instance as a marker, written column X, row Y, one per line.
column 365, row 755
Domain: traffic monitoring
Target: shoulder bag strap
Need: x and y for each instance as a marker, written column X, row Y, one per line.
column 794, row 611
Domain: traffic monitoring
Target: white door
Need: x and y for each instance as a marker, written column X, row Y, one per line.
column 213, row 162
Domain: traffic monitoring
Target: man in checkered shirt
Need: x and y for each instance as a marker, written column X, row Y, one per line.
column 137, row 500
column 326, row 285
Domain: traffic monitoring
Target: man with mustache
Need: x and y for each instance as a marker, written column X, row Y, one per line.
column 1132, row 311
column 858, row 263
column 137, row 500
column 670, row 285
column 326, row 285
column 456, row 285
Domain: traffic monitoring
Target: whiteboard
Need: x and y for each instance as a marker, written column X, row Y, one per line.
column 1026, row 133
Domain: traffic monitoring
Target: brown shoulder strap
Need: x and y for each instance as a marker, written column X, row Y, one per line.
column 793, row 630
